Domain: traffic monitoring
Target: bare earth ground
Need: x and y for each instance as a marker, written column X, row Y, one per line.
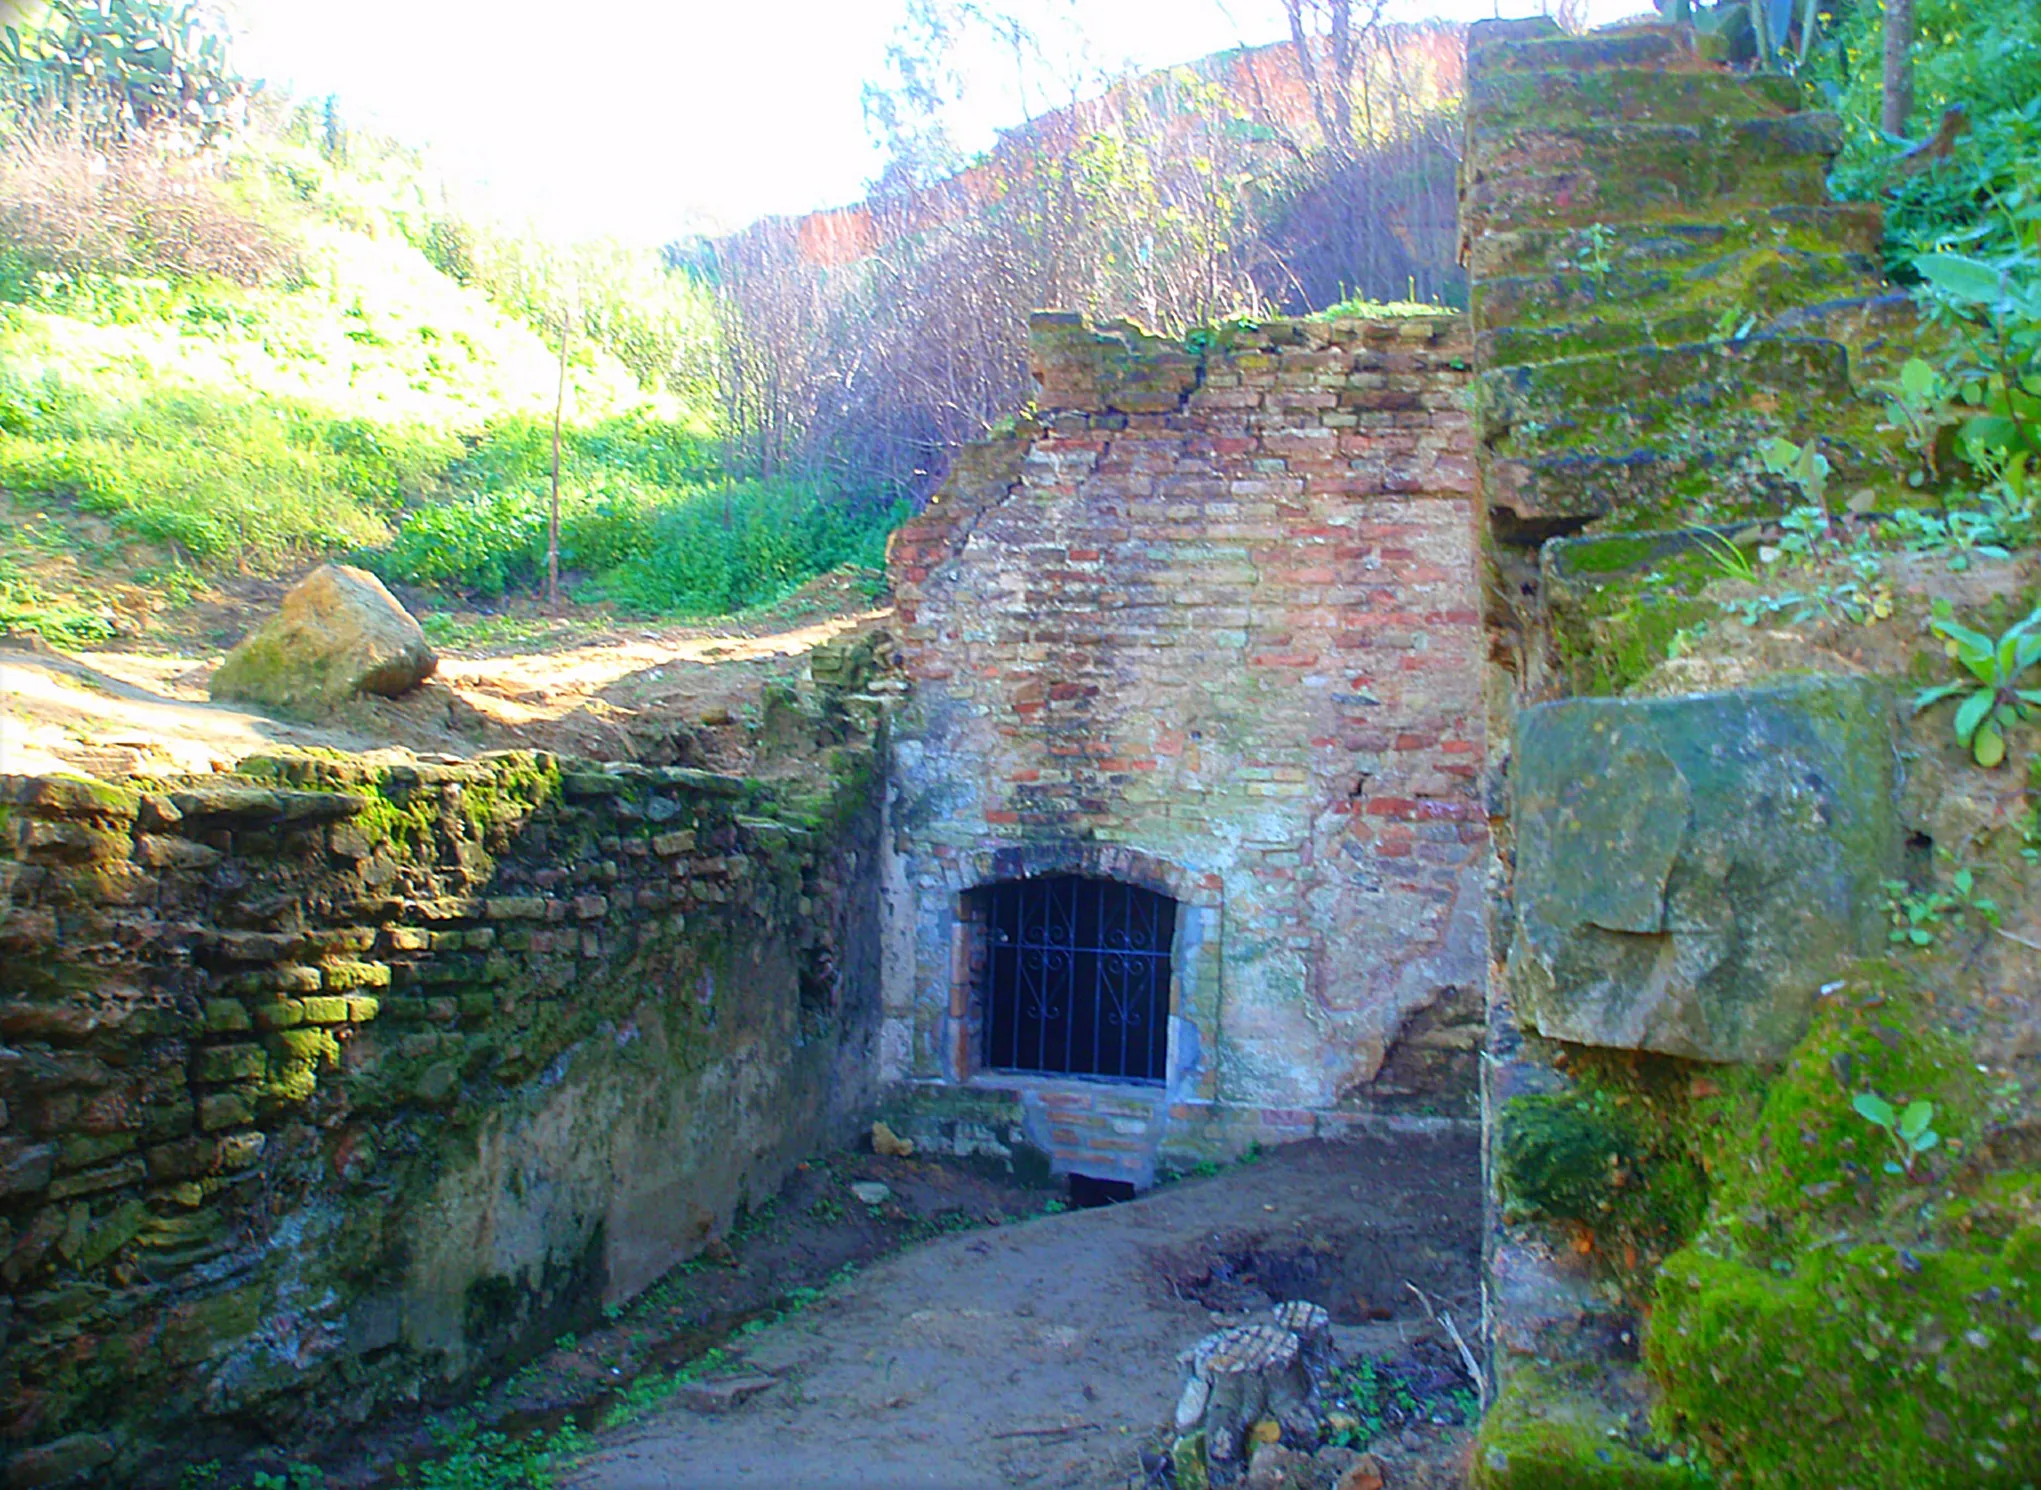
column 663, row 693
column 1043, row 1354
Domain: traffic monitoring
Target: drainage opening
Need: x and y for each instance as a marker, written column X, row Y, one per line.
column 1075, row 979
column 1087, row 1193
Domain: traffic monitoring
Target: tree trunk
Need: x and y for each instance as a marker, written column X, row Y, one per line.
column 1256, row 1371
column 1898, row 66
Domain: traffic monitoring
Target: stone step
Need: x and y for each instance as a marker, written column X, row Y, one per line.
column 1597, row 173
column 1538, row 45
column 1882, row 330
column 1601, row 399
column 1675, row 482
column 1667, row 244
column 1578, row 311
column 1500, row 100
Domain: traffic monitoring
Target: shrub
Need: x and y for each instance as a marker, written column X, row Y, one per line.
column 753, row 544
column 71, row 209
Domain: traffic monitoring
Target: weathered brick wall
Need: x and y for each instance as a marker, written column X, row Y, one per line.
column 328, row 1082
column 1208, row 622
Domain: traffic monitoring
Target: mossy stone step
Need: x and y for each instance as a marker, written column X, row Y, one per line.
column 1759, row 284
column 1578, row 196
column 1668, row 241
column 1500, row 100
column 1645, row 486
column 1540, row 46
column 1882, row 330
column 1596, row 172
column 1641, row 386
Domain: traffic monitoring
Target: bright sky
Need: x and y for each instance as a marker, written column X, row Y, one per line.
column 649, row 118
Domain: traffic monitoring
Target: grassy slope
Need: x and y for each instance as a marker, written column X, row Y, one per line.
column 364, row 403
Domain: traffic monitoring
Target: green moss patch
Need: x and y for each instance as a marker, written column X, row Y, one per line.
column 1549, row 1430
column 1610, row 632
column 1834, row 1323
column 1618, row 1163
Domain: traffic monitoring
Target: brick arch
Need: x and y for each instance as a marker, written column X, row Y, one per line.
column 1109, row 861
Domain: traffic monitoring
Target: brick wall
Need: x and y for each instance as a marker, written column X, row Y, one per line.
column 326, row 1083
column 1207, row 621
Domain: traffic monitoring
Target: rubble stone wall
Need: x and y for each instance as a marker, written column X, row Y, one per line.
column 327, row 1083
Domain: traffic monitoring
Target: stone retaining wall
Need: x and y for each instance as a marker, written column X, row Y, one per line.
column 328, row 1083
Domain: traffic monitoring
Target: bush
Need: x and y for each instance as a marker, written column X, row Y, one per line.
column 223, row 480
column 1986, row 58
column 70, row 209
column 716, row 552
column 489, row 535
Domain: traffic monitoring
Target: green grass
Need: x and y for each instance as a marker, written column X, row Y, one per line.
column 387, row 396
column 1363, row 309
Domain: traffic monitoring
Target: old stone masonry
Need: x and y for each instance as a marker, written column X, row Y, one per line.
column 1222, row 779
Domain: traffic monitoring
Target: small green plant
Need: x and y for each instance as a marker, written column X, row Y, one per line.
column 1909, row 1131
column 1993, row 701
column 1732, row 326
column 1917, row 409
column 1594, row 242
column 1803, row 465
column 826, row 1209
column 198, row 1476
column 1729, row 560
column 294, row 1477
column 1917, row 915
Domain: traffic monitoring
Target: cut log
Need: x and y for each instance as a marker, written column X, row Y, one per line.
column 1311, row 1325
column 1256, row 1371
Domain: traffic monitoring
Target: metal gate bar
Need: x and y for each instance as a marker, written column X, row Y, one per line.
column 1077, row 978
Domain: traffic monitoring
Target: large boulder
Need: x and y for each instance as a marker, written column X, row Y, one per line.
column 338, row 633
column 1690, row 870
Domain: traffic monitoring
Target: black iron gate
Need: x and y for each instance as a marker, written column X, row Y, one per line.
column 1077, row 977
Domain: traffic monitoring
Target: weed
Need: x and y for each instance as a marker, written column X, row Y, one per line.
column 1917, row 409
column 1993, row 701
column 1917, row 915
column 1909, row 1131
column 1803, row 465
column 294, row 1477
column 483, row 1459
column 1729, row 561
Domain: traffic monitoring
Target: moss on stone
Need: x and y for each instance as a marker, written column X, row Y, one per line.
column 1548, row 1430
column 1618, row 1162
column 1610, row 634
column 1896, row 1313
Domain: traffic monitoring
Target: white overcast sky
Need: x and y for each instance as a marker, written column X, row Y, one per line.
column 645, row 118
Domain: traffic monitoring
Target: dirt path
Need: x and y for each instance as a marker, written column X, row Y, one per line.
column 669, row 695
column 1042, row 1354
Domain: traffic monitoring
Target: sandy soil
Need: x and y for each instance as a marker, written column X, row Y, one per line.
column 664, row 695
column 1043, row 1354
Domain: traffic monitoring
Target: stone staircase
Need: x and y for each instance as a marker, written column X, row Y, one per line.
column 1659, row 284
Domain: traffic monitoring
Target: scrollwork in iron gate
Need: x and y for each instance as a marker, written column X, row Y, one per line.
column 1076, row 977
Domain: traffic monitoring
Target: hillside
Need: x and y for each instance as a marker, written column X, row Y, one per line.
column 320, row 358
